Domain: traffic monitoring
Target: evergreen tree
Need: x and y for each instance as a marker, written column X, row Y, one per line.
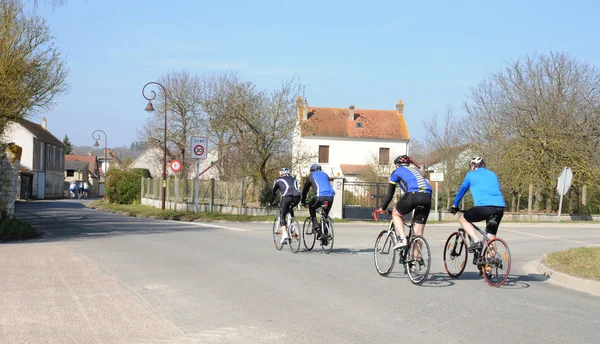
column 68, row 145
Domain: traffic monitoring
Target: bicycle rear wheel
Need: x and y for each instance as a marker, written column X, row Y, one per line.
column 276, row 235
column 327, row 241
column 496, row 258
column 455, row 255
column 294, row 231
column 308, row 234
column 418, row 260
column 384, row 254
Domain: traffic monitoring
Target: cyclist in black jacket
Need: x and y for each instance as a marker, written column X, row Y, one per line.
column 290, row 197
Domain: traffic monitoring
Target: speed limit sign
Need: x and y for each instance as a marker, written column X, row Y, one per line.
column 176, row 165
column 199, row 147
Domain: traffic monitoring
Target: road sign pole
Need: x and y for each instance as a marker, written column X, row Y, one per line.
column 562, row 192
column 197, row 183
column 437, row 216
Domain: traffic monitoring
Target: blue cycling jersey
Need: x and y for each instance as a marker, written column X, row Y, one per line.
column 484, row 186
column 410, row 179
column 319, row 181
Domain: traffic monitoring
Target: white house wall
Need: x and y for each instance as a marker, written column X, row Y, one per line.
column 350, row 150
column 18, row 134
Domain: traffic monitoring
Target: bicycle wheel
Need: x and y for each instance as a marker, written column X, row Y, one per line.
column 327, row 242
column 384, row 254
column 455, row 255
column 294, row 231
column 496, row 263
column 276, row 235
column 418, row 260
column 308, row 235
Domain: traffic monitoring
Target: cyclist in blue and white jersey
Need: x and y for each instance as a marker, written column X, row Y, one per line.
column 489, row 203
column 417, row 192
column 323, row 192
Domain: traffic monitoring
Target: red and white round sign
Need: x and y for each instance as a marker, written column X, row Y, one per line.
column 176, row 165
column 199, row 150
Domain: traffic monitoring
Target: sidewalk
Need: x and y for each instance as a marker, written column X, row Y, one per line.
column 51, row 294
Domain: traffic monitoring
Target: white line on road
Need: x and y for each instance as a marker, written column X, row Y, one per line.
column 221, row 227
column 551, row 237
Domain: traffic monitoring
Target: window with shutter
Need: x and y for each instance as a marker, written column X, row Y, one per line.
column 324, row 154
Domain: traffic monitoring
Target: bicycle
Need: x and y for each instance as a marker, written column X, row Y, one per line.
column 415, row 257
column 326, row 227
column 293, row 227
column 490, row 259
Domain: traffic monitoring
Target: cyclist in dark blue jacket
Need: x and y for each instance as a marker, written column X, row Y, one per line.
column 323, row 192
column 417, row 195
column 287, row 185
column 489, row 203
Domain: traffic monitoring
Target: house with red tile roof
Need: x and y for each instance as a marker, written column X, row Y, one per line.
column 345, row 141
column 42, row 162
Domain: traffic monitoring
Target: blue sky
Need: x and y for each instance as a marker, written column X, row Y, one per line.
column 370, row 54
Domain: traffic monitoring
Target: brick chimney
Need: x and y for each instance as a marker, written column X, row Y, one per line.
column 351, row 113
column 400, row 107
column 44, row 122
column 302, row 108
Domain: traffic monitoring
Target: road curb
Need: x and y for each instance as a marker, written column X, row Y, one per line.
column 572, row 282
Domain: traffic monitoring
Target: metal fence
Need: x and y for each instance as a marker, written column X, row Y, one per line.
column 244, row 193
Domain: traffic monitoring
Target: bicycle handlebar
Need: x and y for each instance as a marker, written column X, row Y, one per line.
column 380, row 211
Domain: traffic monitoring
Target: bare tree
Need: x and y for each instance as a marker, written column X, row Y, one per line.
column 32, row 70
column 184, row 117
column 538, row 115
column 253, row 127
column 446, row 139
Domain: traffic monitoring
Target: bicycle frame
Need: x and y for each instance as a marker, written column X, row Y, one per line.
column 392, row 228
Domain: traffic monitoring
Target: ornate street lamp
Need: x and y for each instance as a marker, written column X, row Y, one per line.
column 97, row 137
column 150, row 108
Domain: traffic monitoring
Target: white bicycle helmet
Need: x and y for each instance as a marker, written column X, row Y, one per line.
column 477, row 161
column 284, row 172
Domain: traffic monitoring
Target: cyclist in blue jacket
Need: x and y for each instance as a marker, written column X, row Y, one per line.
column 323, row 192
column 417, row 196
column 489, row 203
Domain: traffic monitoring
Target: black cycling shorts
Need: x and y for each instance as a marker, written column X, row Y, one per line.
column 418, row 201
column 287, row 205
column 487, row 213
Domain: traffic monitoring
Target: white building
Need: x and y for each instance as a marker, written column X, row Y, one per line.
column 152, row 159
column 346, row 141
column 42, row 162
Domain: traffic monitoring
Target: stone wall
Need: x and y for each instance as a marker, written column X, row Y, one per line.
column 10, row 160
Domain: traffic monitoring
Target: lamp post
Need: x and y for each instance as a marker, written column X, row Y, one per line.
column 97, row 137
column 150, row 108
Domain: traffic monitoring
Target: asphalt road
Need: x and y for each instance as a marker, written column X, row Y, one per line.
column 104, row 278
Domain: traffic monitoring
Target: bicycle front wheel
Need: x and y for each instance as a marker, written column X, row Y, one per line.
column 455, row 255
column 384, row 254
column 418, row 261
column 277, row 234
column 308, row 234
column 327, row 240
column 294, row 239
column 496, row 258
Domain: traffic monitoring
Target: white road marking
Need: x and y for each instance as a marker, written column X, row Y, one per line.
column 550, row 237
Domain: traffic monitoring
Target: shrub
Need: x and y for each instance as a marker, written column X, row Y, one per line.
column 13, row 229
column 124, row 186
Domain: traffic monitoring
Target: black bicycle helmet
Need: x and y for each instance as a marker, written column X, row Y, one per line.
column 402, row 160
column 315, row 167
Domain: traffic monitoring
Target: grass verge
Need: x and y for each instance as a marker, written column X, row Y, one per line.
column 582, row 261
column 151, row 212
column 15, row 230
